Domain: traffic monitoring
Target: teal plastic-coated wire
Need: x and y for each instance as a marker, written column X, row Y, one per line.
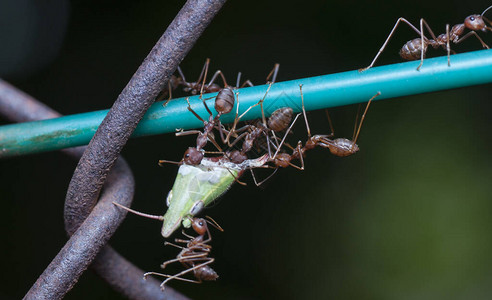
column 326, row 91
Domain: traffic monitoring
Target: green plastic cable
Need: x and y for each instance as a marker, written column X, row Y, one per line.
column 326, row 91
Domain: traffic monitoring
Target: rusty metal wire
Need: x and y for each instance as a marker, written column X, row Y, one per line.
column 116, row 270
column 91, row 225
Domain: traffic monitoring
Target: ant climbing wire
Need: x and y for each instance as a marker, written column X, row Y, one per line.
column 417, row 48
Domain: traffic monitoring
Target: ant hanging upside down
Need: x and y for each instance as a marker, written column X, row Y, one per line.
column 194, row 256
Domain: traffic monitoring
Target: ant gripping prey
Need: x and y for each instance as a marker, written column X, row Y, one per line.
column 194, row 255
column 417, row 48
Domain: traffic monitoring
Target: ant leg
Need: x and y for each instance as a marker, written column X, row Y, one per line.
column 487, row 20
column 264, row 180
column 211, row 260
column 424, row 41
column 236, row 179
column 387, row 40
column 188, row 132
column 285, row 135
column 181, row 74
column 298, row 148
column 174, row 245
column 179, row 258
column 304, row 112
column 448, row 48
column 212, row 140
column 217, row 73
column 422, row 45
column 259, row 103
column 162, row 161
column 165, row 275
column 356, row 120
column 238, row 139
column 332, row 134
column 187, row 235
column 476, row 35
column 169, row 92
column 247, row 83
column 238, row 80
column 204, row 72
column 363, row 117
column 194, row 112
column 273, row 74
column 155, row 217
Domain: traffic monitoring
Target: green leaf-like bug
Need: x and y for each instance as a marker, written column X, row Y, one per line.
column 196, row 186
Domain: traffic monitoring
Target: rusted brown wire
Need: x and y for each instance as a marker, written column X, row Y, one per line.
column 120, row 273
column 92, row 225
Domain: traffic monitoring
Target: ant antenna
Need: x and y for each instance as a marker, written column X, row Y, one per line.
column 160, row 218
column 213, row 223
column 486, row 10
column 162, row 162
column 356, row 120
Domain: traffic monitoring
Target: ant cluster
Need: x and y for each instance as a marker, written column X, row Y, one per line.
column 201, row 179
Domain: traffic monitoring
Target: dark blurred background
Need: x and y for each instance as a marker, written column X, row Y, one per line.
column 408, row 217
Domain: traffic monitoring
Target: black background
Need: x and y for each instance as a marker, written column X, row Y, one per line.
column 408, row 217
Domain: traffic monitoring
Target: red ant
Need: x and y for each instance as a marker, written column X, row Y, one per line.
column 340, row 147
column 417, row 48
column 194, row 256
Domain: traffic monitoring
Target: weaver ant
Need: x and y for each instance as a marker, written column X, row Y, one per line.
column 340, row 147
column 194, row 255
column 417, row 48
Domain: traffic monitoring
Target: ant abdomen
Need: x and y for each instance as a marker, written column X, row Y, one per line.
column 224, row 102
column 280, row 119
column 206, row 273
column 343, row 147
column 412, row 50
column 340, row 147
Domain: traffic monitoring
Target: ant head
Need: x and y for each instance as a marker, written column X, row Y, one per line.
column 475, row 23
column 199, row 225
column 192, row 156
column 213, row 88
column 175, row 81
column 237, row 157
